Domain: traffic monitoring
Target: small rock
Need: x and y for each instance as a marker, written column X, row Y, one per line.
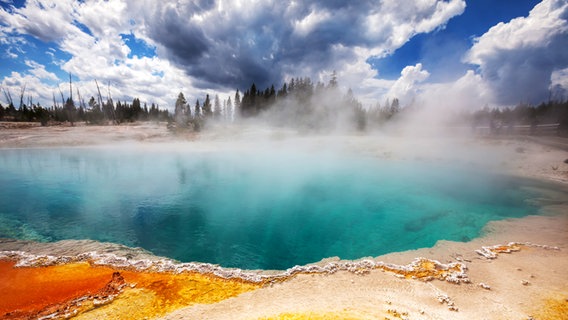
column 525, row 282
column 484, row 286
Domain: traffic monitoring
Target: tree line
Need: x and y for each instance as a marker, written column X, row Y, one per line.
column 93, row 113
column 299, row 103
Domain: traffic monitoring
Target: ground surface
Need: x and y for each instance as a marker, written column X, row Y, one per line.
column 530, row 282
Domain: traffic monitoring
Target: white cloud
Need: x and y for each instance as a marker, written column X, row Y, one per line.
column 405, row 87
column 307, row 24
column 13, row 44
column 270, row 40
column 359, row 76
column 35, row 88
column 39, row 71
column 11, row 54
column 44, row 20
column 97, row 53
column 518, row 58
column 219, row 45
column 105, row 18
column 394, row 22
column 545, row 21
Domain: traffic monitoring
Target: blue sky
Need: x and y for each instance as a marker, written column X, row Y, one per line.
column 464, row 53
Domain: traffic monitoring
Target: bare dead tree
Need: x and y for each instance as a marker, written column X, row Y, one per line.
column 100, row 96
column 22, row 92
column 81, row 102
column 108, row 92
column 70, row 87
column 62, row 98
column 109, row 98
column 8, row 96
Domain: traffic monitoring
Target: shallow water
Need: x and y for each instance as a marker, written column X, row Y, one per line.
column 245, row 209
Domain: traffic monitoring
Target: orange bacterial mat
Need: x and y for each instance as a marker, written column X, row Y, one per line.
column 83, row 289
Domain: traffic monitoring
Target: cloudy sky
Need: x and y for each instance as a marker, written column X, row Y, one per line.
column 465, row 53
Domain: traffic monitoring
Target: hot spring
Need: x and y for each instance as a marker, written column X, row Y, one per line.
column 248, row 209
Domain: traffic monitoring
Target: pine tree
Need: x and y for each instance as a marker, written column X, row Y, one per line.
column 197, row 109
column 229, row 112
column 333, row 80
column 237, row 103
column 253, row 93
column 136, row 110
column 70, row 111
column 283, row 92
column 207, row 110
column 217, row 108
column 93, row 104
column 180, row 114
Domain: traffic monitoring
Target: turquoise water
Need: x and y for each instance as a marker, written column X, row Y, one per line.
column 269, row 210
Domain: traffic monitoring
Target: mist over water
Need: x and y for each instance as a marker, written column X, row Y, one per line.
column 256, row 206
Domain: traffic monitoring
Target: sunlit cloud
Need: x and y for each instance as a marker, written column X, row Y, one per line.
column 518, row 58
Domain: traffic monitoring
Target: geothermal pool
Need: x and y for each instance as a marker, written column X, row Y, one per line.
column 248, row 209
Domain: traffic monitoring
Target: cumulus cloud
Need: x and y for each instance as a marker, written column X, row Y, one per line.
column 395, row 22
column 219, row 45
column 89, row 32
column 208, row 46
column 35, row 88
column 405, row 87
column 39, row 71
column 231, row 43
column 517, row 59
column 45, row 21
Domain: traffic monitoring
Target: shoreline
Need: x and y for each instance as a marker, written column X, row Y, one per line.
column 521, row 284
column 448, row 293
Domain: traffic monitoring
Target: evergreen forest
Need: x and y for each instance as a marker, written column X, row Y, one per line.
column 298, row 103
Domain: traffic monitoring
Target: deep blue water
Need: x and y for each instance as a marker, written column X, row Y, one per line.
column 269, row 210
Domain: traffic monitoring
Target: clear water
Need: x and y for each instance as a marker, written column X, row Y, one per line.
column 245, row 209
